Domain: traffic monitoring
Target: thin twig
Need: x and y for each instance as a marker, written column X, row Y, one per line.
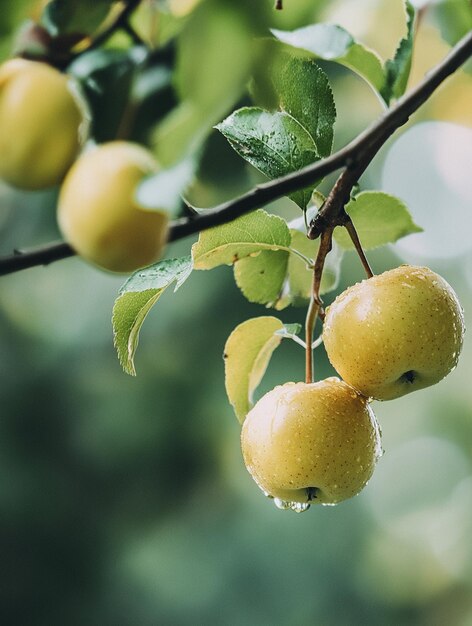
column 133, row 35
column 364, row 148
column 355, row 157
column 315, row 301
column 120, row 21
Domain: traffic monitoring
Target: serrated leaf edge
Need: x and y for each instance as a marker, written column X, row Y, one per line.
column 274, row 247
column 353, row 43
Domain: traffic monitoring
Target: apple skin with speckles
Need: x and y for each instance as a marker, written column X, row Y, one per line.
column 311, row 443
column 395, row 333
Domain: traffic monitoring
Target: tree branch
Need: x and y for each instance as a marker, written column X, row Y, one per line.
column 354, row 157
column 42, row 255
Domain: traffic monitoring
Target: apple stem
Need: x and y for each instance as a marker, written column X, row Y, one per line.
column 315, row 308
column 349, row 226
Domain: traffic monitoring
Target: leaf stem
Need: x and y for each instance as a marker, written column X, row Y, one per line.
column 315, row 301
column 309, row 262
column 132, row 34
column 349, row 226
column 297, row 340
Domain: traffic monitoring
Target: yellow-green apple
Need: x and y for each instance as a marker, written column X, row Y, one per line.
column 98, row 212
column 311, row 443
column 43, row 124
column 394, row 333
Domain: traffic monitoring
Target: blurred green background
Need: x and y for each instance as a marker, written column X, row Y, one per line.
column 125, row 502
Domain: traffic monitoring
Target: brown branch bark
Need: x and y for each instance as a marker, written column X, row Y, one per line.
column 354, row 157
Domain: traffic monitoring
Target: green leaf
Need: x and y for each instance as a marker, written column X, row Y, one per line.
column 163, row 191
column 304, row 92
column 202, row 65
column 398, row 69
column 379, row 219
column 333, row 43
column 183, row 131
column 216, row 33
column 247, row 354
column 137, row 296
column 249, row 234
column 106, row 76
column 274, row 143
column 299, row 279
column 261, row 278
column 279, row 279
column 454, row 18
column 63, row 16
column 150, row 82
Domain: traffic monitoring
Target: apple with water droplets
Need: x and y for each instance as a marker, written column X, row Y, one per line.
column 395, row 332
column 311, row 443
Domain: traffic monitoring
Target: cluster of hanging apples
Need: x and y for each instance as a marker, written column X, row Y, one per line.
column 386, row 336
column 43, row 132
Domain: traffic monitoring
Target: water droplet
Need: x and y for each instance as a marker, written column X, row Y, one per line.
column 283, row 505
column 300, row 507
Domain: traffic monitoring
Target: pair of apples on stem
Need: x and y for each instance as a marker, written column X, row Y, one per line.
column 386, row 336
column 43, row 130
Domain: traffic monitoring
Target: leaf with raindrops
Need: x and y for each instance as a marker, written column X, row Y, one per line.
column 274, row 143
column 137, row 296
column 248, row 235
column 303, row 91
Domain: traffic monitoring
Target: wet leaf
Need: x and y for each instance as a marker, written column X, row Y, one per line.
column 249, row 234
column 137, row 296
column 304, row 92
column 274, row 143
